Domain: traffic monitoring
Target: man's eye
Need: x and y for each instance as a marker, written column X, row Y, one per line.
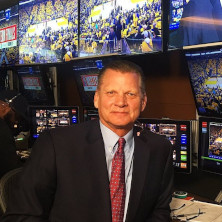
column 131, row 94
column 110, row 92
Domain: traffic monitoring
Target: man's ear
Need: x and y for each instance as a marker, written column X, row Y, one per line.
column 96, row 99
column 144, row 102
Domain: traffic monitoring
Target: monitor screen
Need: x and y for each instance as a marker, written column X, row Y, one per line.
column 128, row 27
column 210, row 144
column 34, row 85
column 48, row 31
column 90, row 113
column 194, row 22
column 86, row 74
column 9, row 51
column 48, row 117
column 178, row 132
column 206, row 80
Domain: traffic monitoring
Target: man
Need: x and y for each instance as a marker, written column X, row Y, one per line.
column 12, row 109
column 71, row 177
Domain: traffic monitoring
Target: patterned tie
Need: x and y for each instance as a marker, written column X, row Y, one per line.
column 117, row 183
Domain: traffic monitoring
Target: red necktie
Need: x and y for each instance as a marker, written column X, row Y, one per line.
column 117, row 183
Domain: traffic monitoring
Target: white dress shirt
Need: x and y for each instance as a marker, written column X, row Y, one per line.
column 111, row 144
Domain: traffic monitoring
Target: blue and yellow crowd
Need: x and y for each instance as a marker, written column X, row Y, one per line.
column 139, row 28
column 203, row 74
column 50, row 45
column 136, row 30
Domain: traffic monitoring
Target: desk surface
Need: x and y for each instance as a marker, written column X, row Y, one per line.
column 200, row 208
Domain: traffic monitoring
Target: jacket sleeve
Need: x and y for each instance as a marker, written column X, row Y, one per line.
column 8, row 157
column 33, row 195
column 161, row 211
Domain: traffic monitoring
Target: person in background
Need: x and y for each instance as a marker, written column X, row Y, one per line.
column 200, row 23
column 100, row 170
column 157, row 40
column 12, row 109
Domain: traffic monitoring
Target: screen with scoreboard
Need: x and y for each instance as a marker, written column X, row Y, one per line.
column 9, row 54
column 34, row 84
column 178, row 132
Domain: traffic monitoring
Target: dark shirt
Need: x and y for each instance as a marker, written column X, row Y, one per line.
column 8, row 157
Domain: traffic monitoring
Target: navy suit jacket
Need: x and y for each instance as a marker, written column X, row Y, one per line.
column 66, row 179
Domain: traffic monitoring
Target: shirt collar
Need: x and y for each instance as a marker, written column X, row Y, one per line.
column 110, row 138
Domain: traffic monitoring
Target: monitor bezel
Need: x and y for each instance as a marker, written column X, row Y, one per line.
column 201, row 165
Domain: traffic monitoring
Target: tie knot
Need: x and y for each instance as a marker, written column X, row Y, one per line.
column 121, row 143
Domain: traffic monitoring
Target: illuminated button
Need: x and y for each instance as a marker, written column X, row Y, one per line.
column 183, row 157
column 183, row 165
column 183, row 127
column 204, row 124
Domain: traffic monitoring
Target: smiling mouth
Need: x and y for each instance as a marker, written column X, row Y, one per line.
column 115, row 112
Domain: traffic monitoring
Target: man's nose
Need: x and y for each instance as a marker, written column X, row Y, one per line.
column 121, row 100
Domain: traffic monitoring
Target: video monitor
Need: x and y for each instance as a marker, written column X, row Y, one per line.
column 86, row 74
column 9, row 51
column 194, row 22
column 178, row 132
column 90, row 113
column 48, row 117
column 48, row 31
column 210, row 144
column 34, row 85
column 206, row 80
column 127, row 27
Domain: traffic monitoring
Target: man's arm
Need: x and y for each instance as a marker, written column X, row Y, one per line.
column 34, row 194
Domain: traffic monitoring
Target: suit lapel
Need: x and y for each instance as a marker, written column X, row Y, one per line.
column 140, row 161
column 99, row 169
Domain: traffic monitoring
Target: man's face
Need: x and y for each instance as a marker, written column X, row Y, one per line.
column 119, row 100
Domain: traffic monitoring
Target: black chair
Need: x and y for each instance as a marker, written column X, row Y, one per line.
column 7, row 183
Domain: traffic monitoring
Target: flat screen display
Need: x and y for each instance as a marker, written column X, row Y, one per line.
column 90, row 113
column 34, row 85
column 9, row 51
column 48, row 31
column 48, row 117
column 206, row 80
column 194, row 22
column 86, row 74
column 117, row 26
column 178, row 132
column 210, row 144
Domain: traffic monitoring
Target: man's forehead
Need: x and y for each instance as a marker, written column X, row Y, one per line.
column 121, row 72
